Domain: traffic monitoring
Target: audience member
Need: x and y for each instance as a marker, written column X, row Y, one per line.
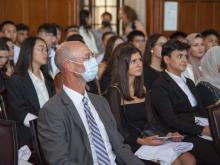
column 30, row 87
column 130, row 21
column 208, row 85
column 76, row 127
column 58, row 36
column 22, row 33
column 4, row 56
column 152, row 58
column 105, row 37
column 177, row 103
column 93, row 85
column 211, row 38
column 106, row 19
column 85, row 30
column 75, row 37
column 196, row 52
column 137, row 38
column 105, row 67
column 179, row 35
column 48, row 33
column 70, row 30
column 130, row 104
column 9, row 66
column 8, row 29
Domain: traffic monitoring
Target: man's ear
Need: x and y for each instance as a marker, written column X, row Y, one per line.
column 166, row 59
column 67, row 66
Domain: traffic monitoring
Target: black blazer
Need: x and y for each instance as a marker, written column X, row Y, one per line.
column 22, row 97
column 173, row 107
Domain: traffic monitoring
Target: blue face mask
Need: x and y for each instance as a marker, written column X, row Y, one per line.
column 91, row 69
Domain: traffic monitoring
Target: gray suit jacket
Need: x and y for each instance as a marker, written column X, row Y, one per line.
column 63, row 137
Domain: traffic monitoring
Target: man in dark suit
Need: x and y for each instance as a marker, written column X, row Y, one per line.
column 76, row 127
column 177, row 103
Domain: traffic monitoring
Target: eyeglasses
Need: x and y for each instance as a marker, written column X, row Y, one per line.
column 213, row 42
column 82, row 59
column 4, row 58
column 9, row 31
column 42, row 49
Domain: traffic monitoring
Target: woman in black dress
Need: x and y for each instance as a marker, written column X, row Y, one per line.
column 130, row 104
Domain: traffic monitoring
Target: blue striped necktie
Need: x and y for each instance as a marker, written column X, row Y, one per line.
column 98, row 142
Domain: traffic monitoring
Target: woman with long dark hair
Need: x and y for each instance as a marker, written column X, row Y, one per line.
column 105, row 66
column 85, row 30
column 152, row 58
column 30, row 87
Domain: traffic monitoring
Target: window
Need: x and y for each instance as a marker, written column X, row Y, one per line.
column 97, row 7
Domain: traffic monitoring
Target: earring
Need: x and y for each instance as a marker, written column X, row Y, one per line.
column 152, row 51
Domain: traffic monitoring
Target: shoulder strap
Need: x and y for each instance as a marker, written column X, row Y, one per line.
column 124, row 113
column 119, row 91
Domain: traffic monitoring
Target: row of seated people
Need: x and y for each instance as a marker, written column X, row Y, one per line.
column 19, row 90
column 200, row 43
column 170, row 106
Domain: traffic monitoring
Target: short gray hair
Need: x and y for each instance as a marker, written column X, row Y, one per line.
column 62, row 54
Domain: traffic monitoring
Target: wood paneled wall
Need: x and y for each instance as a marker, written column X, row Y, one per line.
column 36, row 12
column 193, row 15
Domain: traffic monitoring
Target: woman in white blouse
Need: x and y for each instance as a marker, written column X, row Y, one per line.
column 86, row 32
column 30, row 87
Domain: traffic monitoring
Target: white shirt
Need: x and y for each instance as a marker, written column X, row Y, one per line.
column 40, row 87
column 181, row 82
column 51, row 60
column 189, row 73
column 89, row 39
column 77, row 101
column 16, row 53
column 42, row 95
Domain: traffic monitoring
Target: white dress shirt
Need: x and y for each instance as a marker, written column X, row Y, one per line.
column 181, row 82
column 42, row 95
column 77, row 101
column 54, row 70
column 16, row 53
column 40, row 87
column 89, row 39
column 189, row 73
